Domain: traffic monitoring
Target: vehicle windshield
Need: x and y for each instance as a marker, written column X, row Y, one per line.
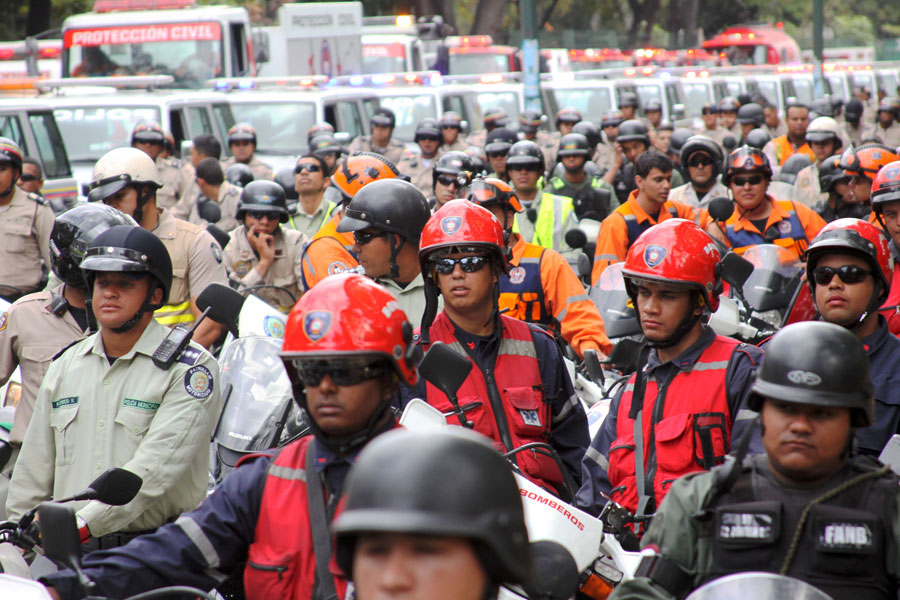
column 596, row 64
column 508, row 101
column 769, row 89
column 477, row 63
column 611, row 299
column 190, row 52
column 280, row 126
column 409, row 111
column 745, row 55
column 695, row 96
column 776, row 273
column 803, row 90
column 92, row 131
column 646, row 93
column 592, row 102
column 384, row 58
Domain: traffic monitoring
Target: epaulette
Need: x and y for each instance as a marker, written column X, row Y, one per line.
column 190, row 355
column 38, row 198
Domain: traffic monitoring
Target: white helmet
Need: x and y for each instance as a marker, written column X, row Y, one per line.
column 119, row 168
column 822, row 129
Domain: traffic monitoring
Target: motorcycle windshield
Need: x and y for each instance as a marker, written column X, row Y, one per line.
column 757, row 585
column 256, row 394
column 776, row 273
column 611, row 299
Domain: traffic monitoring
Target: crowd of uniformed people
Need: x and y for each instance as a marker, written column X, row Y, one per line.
column 466, row 240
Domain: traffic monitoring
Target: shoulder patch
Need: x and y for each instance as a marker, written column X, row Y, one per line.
column 216, row 251
column 4, row 320
column 38, row 198
column 198, row 382
column 190, row 356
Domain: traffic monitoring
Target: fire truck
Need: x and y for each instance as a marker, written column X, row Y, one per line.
column 755, row 45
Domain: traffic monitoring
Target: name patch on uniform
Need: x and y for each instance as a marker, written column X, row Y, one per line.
column 316, row 324
column 654, row 255
column 735, row 526
column 198, row 382
column 844, row 536
column 141, row 404
column 516, row 275
column 70, row 401
column 4, row 320
column 531, row 417
column 216, row 251
column 242, row 267
column 451, row 225
column 190, row 356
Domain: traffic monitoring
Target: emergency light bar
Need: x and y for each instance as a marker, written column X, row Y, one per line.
column 227, row 84
column 123, row 82
column 389, row 79
column 475, row 41
column 487, row 78
column 126, row 5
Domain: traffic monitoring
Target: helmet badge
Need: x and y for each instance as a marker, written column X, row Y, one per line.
column 654, row 255
column 450, row 225
column 316, row 324
column 806, row 378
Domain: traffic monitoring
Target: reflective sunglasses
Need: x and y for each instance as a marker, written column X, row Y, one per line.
column 469, row 264
column 341, row 372
column 700, row 161
column 448, row 180
column 309, row 168
column 27, row 177
column 264, row 214
column 848, row 273
column 742, row 181
column 364, row 237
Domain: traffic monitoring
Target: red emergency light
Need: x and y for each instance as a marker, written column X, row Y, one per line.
column 125, row 5
column 479, row 41
column 7, row 53
column 50, row 52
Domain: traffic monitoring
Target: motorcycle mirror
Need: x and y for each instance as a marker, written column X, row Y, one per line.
column 224, row 303
column 721, row 208
column 220, row 236
column 59, row 534
column 114, row 486
column 625, row 355
column 209, row 210
column 576, row 238
column 736, row 269
column 729, row 143
column 444, row 368
column 554, row 574
column 594, row 368
column 583, row 266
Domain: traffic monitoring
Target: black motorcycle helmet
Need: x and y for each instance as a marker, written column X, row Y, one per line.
column 530, row 120
column 72, row 235
column 572, row 144
column 612, row 118
column 238, row 174
column 568, row 115
column 525, row 152
column 830, row 173
column 242, row 132
column 792, row 167
column 758, row 138
column 653, row 105
column 451, row 119
column 593, row 133
column 699, row 143
column 285, row 178
column 266, row 196
column 853, row 110
column 495, row 117
column 401, row 484
column 751, row 113
column 633, row 130
column 319, row 128
column 500, row 140
column 628, row 99
column 130, row 249
column 452, row 163
column 11, row 154
column 822, row 107
column 478, row 159
column 383, row 117
column 428, row 128
column 679, row 138
column 148, row 132
column 324, row 143
column 835, row 375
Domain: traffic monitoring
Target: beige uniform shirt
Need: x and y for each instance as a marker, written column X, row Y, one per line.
column 717, row 135
column 458, row 146
column 858, row 134
column 173, row 182
column 419, row 170
column 90, row 416
column 310, row 224
column 196, row 258
column 477, row 138
column 549, row 145
column 25, row 226
column 890, row 136
column 30, row 335
column 260, row 169
column 806, row 187
column 411, row 298
column 777, row 131
column 228, row 200
column 286, row 270
column 686, row 194
column 604, row 156
column 393, row 152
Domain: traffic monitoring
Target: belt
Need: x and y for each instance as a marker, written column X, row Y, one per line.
column 112, row 540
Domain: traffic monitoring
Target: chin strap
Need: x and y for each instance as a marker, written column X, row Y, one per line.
column 686, row 324
column 146, row 307
column 143, row 198
column 395, row 250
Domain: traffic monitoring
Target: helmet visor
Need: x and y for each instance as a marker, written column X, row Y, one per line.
column 484, row 193
column 103, row 189
column 108, row 258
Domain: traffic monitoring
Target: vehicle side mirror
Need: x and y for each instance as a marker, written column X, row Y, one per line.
column 736, row 269
column 445, row 368
column 224, row 303
column 59, row 534
column 593, row 366
column 721, row 208
column 342, row 137
column 209, row 210
column 576, row 238
column 625, row 355
column 220, row 236
column 115, row 487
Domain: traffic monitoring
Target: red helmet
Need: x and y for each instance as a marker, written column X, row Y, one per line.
column 747, row 158
column 491, row 190
column 356, row 171
column 886, row 187
column 349, row 315
column 463, row 224
column 676, row 252
column 867, row 160
column 853, row 236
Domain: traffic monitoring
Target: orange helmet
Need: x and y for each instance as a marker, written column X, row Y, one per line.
column 867, row 160
column 357, row 170
column 349, row 316
column 886, row 187
column 490, row 190
column 746, row 158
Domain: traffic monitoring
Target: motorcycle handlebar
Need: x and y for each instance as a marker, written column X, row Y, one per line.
column 567, row 491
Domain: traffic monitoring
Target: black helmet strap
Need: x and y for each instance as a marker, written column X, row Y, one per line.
column 146, row 307
column 12, row 186
column 396, row 247
column 142, row 198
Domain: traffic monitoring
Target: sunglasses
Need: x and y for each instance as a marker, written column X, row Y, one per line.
column 742, row 181
column 848, row 273
column 341, row 372
column 449, row 126
column 700, row 161
column 264, row 214
column 469, row 264
column 497, row 154
column 430, row 138
column 532, row 168
column 26, row 177
column 447, row 180
column 364, row 237
column 309, row 168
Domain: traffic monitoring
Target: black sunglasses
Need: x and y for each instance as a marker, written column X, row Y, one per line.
column 468, row 264
column 848, row 273
column 341, row 372
column 448, row 180
column 497, row 154
column 752, row 180
column 429, row 138
column 364, row 237
column 262, row 214
column 309, row 168
column 700, row 161
column 26, row 177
